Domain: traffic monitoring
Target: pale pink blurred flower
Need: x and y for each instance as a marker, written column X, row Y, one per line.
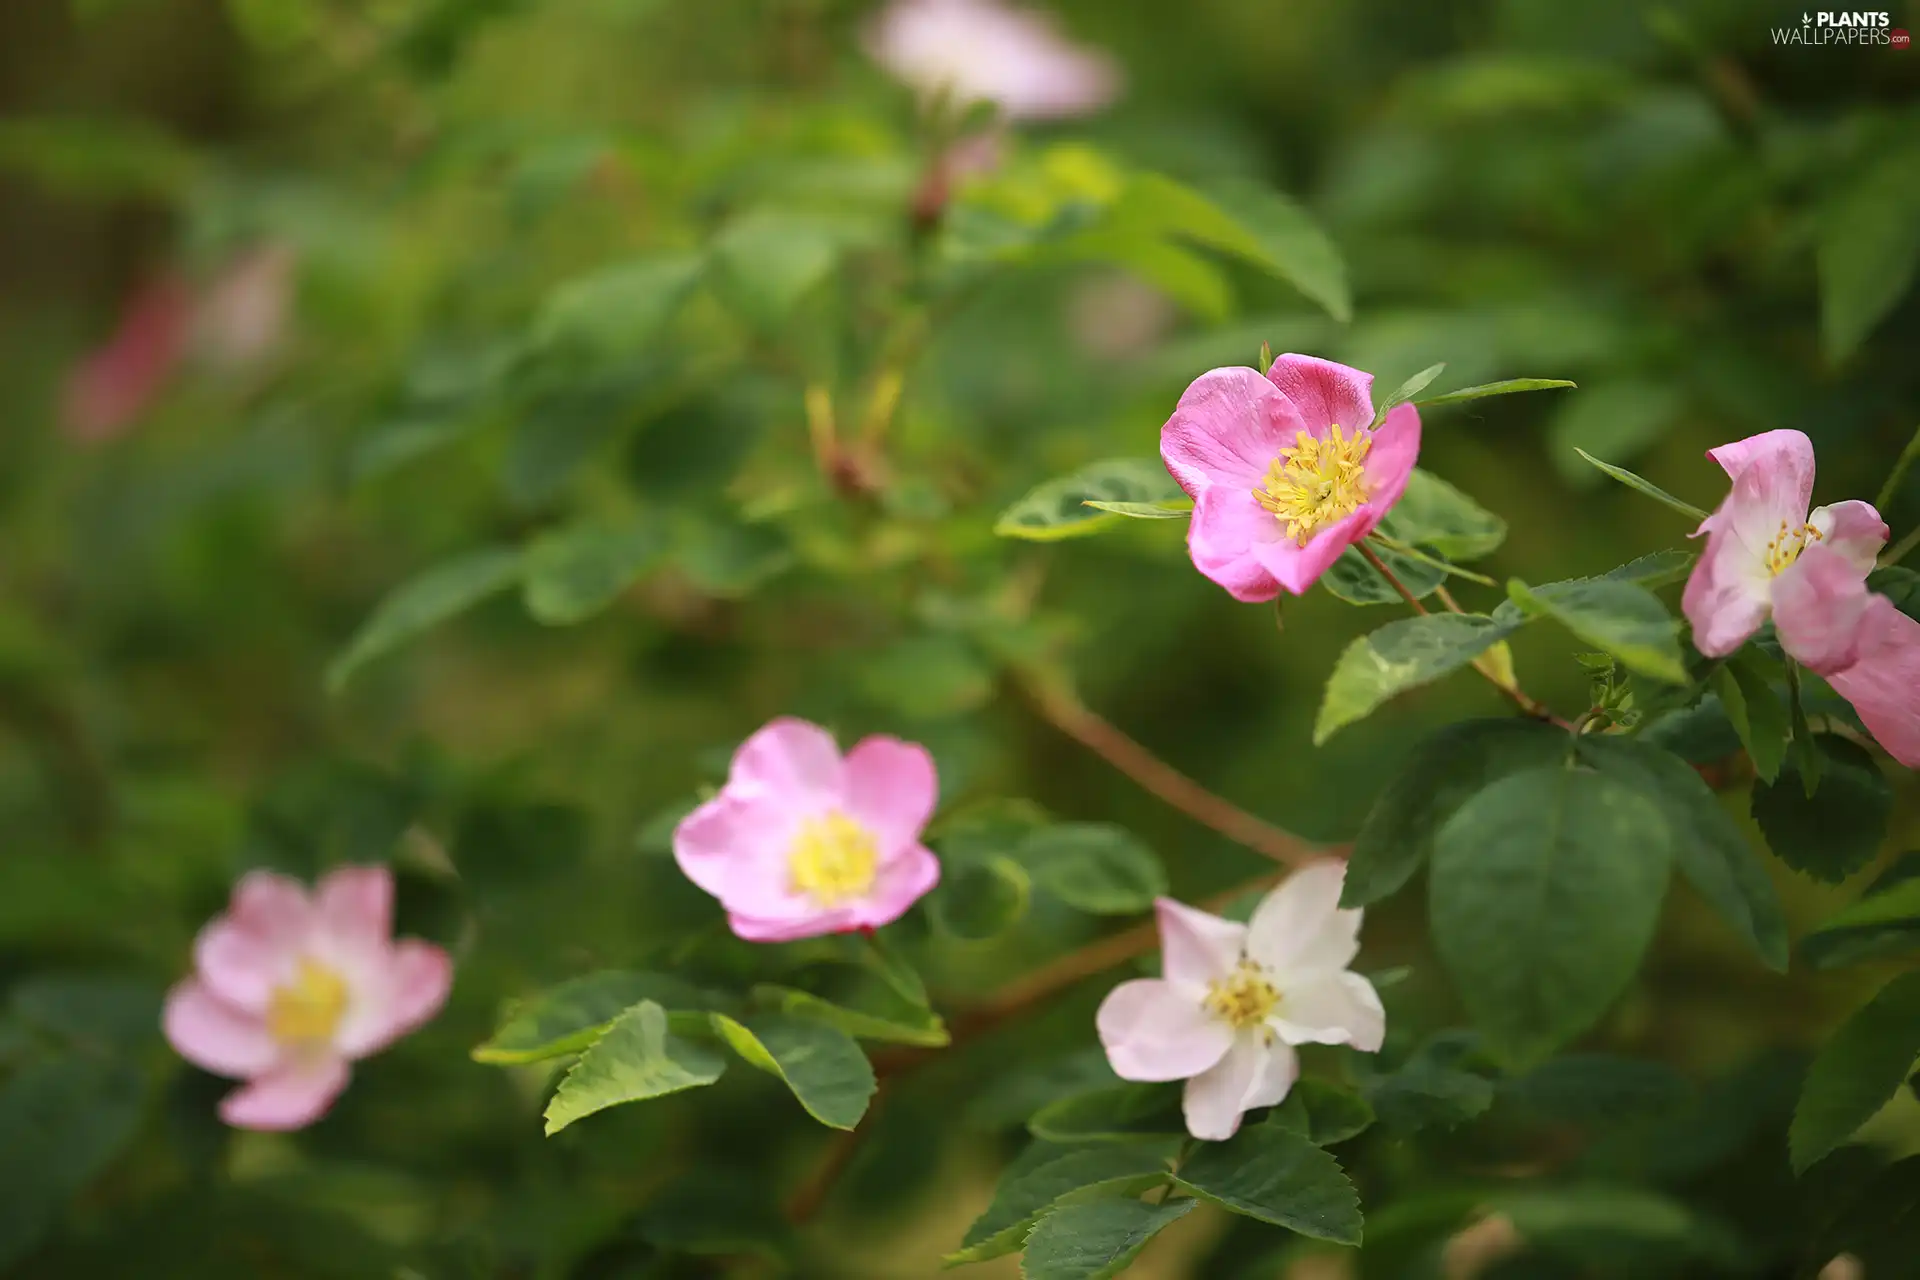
column 113, row 385
column 1286, row 471
column 242, row 315
column 1234, row 999
column 802, row 842
column 985, row 51
column 289, row 988
column 1768, row 556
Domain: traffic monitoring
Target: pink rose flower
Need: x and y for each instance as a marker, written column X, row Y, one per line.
column 1286, row 471
column 1233, row 1000
column 983, row 51
column 801, row 842
column 290, row 987
column 115, row 384
column 1768, row 556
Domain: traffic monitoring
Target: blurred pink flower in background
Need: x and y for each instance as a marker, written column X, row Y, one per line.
column 233, row 323
column 1768, row 556
column 1286, row 471
column 802, row 842
column 289, row 987
column 984, row 51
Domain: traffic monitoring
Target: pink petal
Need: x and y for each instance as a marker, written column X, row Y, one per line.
column 1883, row 684
column 1299, row 929
column 1333, row 1008
column 1252, row 1074
column 1854, row 529
column 1787, row 455
column 214, row 1035
column 1390, row 460
column 356, row 902
column 1772, row 477
column 790, row 760
column 1728, row 594
column 809, row 924
column 1325, row 393
column 736, row 848
column 891, row 786
column 1223, row 536
column 241, row 965
column 905, row 879
column 1228, row 427
column 1196, row 948
column 403, row 995
column 1298, row 568
column 1817, row 604
column 271, row 905
column 292, row 1097
column 112, row 387
column 1152, row 1030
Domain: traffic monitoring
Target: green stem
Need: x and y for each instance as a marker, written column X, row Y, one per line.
column 1899, row 549
column 1433, row 562
column 1899, row 473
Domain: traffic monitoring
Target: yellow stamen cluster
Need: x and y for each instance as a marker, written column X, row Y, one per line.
column 1244, row 998
column 1316, row 481
column 1787, row 545
column 833, row 859
column 308, row 1008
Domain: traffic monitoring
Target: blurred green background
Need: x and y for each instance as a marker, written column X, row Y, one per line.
column 369, row 211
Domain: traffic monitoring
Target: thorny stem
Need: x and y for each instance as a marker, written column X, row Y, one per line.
column 1074, row 718
column 1527, row 704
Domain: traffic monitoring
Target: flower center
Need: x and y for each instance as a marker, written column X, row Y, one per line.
column 309, row 1007
column 833, row 859
column 1788, row 544
column 1316, row 481
column 1243, row 998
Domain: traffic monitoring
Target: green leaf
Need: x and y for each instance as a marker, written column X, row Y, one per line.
column 1353, row 579
column 1758, row 716
column 1406, row 391
column 1291, row 245
column 1546, row 888
column 1506, row 387
column 730, row 560
column 1076, row 1177
column 567, row 1018
column 1807, row 758
column 1869, row 1058
column 1626, row 620
column 98, row 157
column 1868, row 244
column 1709, row 849
column 1655, row 569
column 621, row 307
column 981, row 899
column 1597, row 1090
column 880, row 958
column 635, row 1059
column 927, row 676
column 63, row 1120
column 1322, row 1112
column 1400, row 656
column 1171, row 509
column 823, row 1066
column 97, row 1013
column 573, row 574
column 1095, row 1241
column 713, row 1214
column 1116, row 1113
column 765, row 262
column 560, row 428
column 1058, row 508
column 1434, row 514
column 1432, row 1089
column 423, row 602
column 1446, row 770
column 1616, row 418
column 925, row 1029
column 1276, row 1175
column 1573, row 1222
column 1094, row 867
column 1885, row 921
column 1835, row 832
column 1647, row 487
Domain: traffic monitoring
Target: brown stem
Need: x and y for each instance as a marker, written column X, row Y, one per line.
column 1373, row 558
column 1072, row 717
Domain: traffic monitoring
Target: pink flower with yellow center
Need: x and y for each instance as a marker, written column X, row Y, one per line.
column 802, row 841
column 289, row 988
column 1768, row 556
column 985, row 51
column 1233, row 1000
column 1286, row 471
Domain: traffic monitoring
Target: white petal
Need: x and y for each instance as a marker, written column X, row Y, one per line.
column 1299, row 928
column 1153, row 1031
column 1338, row 1008
column 1196, row 948
column 1253, row 1074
